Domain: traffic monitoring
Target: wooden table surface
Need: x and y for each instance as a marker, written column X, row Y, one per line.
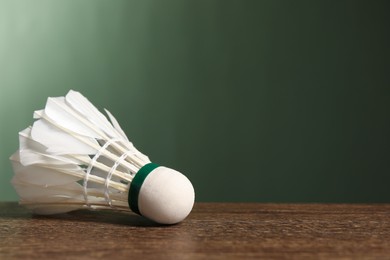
column 212, row 231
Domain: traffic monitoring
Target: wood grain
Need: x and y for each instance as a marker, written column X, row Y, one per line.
column 212, row 231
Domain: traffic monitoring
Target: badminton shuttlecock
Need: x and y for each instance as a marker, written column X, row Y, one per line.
column 74, row 158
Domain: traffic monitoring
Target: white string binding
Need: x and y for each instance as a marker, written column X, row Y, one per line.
column 109, row 175
column 90, row 166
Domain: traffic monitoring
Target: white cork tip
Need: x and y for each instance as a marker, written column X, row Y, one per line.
column 166, row 196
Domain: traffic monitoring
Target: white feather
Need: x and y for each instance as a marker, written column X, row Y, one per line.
column 79, row 103
column 61, row 142
column 27, row 143
column 41, row 176
column 29, row 192
column 61, row 114
column 116, row 125
column 73, row 156
column 38, row 114
column 46, row 201
column 32, row 152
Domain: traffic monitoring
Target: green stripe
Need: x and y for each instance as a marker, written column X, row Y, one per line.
column 136, row 184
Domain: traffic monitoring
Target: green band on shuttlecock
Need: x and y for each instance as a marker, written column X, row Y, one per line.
column 136, row 184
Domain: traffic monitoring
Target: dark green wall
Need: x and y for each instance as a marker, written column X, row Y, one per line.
column 253, row 100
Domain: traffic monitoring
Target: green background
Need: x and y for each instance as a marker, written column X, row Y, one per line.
column 269, row 101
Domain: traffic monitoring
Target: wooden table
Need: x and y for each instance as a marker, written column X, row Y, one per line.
column 212, row 231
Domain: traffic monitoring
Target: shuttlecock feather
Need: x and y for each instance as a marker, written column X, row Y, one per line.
column 73, row 158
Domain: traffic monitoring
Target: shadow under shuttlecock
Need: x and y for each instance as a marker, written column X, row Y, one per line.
column 115, row 218
column 15, row 211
